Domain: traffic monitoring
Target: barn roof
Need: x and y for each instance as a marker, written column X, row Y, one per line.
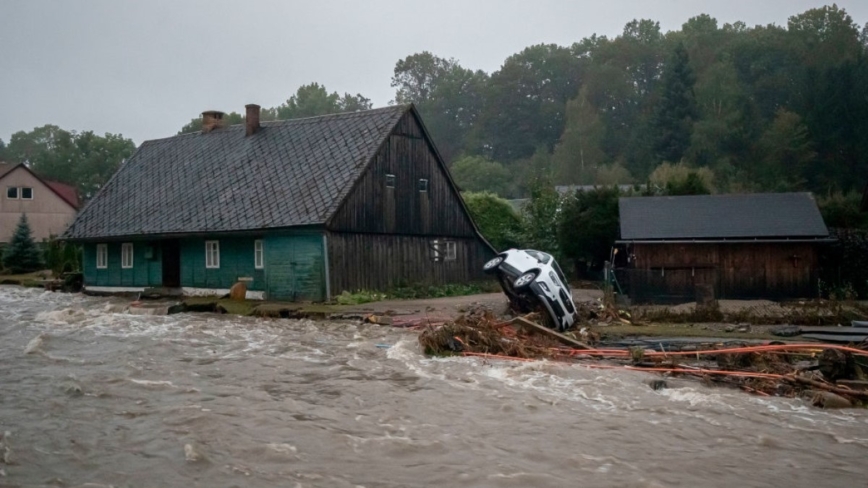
column 748, row 216
column 289, row 173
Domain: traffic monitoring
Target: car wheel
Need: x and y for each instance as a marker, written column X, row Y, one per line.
column 524, row 281
column 492, row 264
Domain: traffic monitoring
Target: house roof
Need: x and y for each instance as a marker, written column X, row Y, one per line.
column 67, row 193
column 749, row 216
column 289, row 173
column 5, row 168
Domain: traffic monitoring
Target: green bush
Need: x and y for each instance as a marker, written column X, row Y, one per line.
column 495, row 218
column 359, row 297
column 589, row 225
column 62, row 257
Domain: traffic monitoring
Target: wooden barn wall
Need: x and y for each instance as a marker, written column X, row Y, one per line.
column 381, row 262
column 669, row 272
column 373, row 208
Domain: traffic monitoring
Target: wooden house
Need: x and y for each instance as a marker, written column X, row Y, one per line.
column 50, row 206
column 743, row 246
column 298, row 209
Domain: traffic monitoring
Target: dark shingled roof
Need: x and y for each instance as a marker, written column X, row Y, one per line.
column 751, row 216
column 289, row 173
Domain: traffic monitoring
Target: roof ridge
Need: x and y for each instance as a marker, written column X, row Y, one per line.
column 402, row 107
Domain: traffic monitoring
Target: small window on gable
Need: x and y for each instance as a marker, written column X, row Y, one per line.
column 101, row 256
column 27, row 193
column 390, row 181
column 212, row 254
column 423, row 185
column 12, row 193
column 258, row 258
column 451, row 251
column 127, row 255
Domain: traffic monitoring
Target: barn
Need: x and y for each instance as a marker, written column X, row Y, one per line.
column 297, row 209
column 742, row 246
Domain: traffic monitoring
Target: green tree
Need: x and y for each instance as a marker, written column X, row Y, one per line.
column 786, row 154
column 495, row 218
column 475, row 174
column 681, row 179
column 195, row 125
column 589, row 225
column 842, row 211
column 579, row 152
column 449, row 97
column 313, row 99
column 526, row 101
column 676, row 111
column 22, row 254
column 540, row 217
column 84, row 160
column 2, row 150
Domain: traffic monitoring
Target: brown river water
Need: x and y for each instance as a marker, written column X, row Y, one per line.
column 94, row 398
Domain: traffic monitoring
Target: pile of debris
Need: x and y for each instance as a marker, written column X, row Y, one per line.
column 832, row 376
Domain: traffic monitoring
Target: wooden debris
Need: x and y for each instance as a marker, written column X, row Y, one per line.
column 522, row 324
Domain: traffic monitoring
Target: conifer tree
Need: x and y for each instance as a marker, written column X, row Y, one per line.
column 676, row 111
column 22, row 255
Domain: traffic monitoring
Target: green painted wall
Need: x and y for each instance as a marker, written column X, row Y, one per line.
column 294, row 265
column 236, row 261
column 145, row 271
column 295, row 268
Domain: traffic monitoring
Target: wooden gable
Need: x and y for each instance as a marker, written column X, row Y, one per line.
column 406, row 190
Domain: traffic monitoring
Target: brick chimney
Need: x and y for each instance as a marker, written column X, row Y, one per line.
column 211, row 119
column 252, row 118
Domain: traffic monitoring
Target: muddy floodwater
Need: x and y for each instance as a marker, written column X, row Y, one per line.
column 94, row 398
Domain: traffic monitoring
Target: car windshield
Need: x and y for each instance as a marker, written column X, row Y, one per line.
column 540, row 256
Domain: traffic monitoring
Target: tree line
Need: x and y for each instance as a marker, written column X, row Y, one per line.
column 763, row 108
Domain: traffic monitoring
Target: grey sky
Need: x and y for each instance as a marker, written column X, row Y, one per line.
column 146, row 68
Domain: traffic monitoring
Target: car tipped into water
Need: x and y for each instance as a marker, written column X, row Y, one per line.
column 532, row 280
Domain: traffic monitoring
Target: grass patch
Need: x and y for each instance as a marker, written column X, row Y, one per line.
column 441, row 291
column 359, row 297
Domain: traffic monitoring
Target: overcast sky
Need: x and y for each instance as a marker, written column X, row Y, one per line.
column 145, row 68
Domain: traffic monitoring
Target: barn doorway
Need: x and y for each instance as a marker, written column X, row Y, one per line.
column 171, row 254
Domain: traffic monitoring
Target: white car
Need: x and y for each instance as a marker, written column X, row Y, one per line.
column 531, row 279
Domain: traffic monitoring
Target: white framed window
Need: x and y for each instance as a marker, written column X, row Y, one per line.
column 12, row 193
column 451, row 251
column 423, row 185
column 390, row 181
column 26, row 193
column 127, row 255
column 101, row 256
column 258, row 255
column 212, row 254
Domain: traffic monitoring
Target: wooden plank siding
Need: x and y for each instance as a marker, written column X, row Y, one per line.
column 669, row 272
column 295, row 267
column 381, row 262
column 236, row 261
column 144, row 273
column 371, row 207
column 381, row 237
